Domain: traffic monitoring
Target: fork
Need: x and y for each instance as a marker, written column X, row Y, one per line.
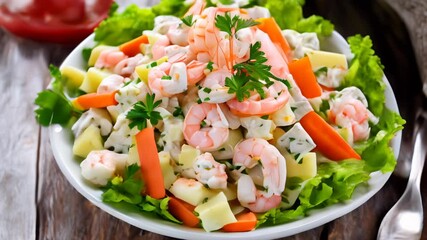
column 405, row 219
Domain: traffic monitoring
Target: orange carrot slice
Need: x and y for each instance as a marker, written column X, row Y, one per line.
column 245, row 222
column 328, row 141
column 132, row 47
column 95, row 100
column 305, row 78
column 183, row 211
column 270, row 26
column 150, row 163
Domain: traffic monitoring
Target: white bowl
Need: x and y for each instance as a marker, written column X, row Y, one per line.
column 61, row 141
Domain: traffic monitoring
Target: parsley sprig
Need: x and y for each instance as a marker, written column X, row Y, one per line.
column 231, row 25
column 252, row 75
column 142, row 112
column 188, row 20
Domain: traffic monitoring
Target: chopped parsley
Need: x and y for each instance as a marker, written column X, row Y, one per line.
column 142, row 112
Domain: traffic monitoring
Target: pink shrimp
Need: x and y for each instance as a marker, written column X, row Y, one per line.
column 353, row 114
column 213, row 87
column 207, row 42
column 101, row 165
column 277, row 95
column 158, row 48
column 195, row 71
column 279, row 65
column 349, row 109
column 210, row 172
column 168, row 79
column 110, row 83
column 176, row 53
column 248, row 154
column 109, row 58
column 127, row 66
column 180, row 77
column 205, row 127
column 196, row 8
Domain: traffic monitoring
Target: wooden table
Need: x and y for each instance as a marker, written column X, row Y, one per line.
column 37, row 202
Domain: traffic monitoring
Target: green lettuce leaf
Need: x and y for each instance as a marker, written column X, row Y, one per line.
column 334, row 182
column 289, row 15
column 171, row 7
column 366, row 73
column 53, row 107
column 122, row 27
column 126, row 191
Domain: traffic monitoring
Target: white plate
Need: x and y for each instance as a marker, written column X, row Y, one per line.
column 61, row 142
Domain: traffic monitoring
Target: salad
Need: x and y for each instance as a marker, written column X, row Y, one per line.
column 227, row 116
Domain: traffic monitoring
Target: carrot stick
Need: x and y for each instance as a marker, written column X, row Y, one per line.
column 305, row 78
column 270, row 26
column 131, row 48
column 95, row 100
column 183, row 211
column 150, row 163
column 245, row 222
column 328, row 141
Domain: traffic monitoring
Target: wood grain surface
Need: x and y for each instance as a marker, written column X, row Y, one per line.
column 37, row 202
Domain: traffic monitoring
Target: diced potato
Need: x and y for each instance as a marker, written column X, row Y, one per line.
column 230, row 192
column 190, row 191
column 167, row 170
column 215, row 213
column 277, row 134
column 73, row 76
column 96, row 51
column 320, row 59
column 188, row 156
column 89, row 140
column 92, row 80
column 284, row 116
column 226, row 151
column 305, row 170
column 142, row 72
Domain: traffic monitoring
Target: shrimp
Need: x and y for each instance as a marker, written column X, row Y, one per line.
column 205, row 39
column 205, row 127
column 168, row 79
column 279, row 64
column 109, row 58
column 110, row 84
column 349, row 109
column 213, row 87
column 195, row 71
column 196, row 8
column 127, row 66
column 176, row 53
column 277, row 95
column 100, row 166
column 249, row 153
column 210, row 172
column 158, row 48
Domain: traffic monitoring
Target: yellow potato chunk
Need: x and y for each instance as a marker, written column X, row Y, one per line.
column 89, row 140
column 320, row 59
column 215, row 212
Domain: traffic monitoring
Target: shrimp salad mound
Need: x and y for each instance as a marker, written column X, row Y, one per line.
column 222, row 119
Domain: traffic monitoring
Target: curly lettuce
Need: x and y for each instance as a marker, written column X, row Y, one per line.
column 289, row 15
column 121, row 27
